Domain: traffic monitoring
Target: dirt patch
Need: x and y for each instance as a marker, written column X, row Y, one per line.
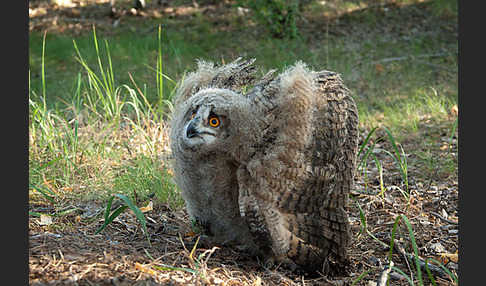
column 77, row 17
column 121, row 255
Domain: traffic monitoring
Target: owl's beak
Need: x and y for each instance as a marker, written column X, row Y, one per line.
column 191, row 130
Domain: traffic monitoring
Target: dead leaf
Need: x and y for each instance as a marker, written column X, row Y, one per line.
column 437, row 247
column 156, row 14
column 190, row 234
column 170, row 172
column 454, row 257
column 144, row 269
column 455, row 110
column 149, row 207
column 45, row 219
column 47, row 183
column 444, row 147
column 37, row 12
column 379, row 68
column 445, row 214
column 67, row 189
column 65, row 3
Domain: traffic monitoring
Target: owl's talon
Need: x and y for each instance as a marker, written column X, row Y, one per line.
column 268, row 263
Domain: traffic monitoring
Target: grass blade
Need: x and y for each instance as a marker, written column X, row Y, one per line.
column 111, row 76
column 147, row 106
column 36, row 214
column 105, row 85
column 400, row 160
column 164, row 267
column 360, row 277
column 364, row 159
column 429, row 273
column 380, row 173
column 138, row 213
column 414, row 244
column 50, row 163
column 116, row 213
column 404, row 275
column 108, row 207
column 43, row 74
column 365, row 228
column 454, row 277
column 362, row 218
column 159, row 77
column 393, row 142
column 44, row 192
column 406, row 194
column 365, row 142
column 93, row 79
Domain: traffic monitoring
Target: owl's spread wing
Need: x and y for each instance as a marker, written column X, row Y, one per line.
column 303, row 171
column 234, row 76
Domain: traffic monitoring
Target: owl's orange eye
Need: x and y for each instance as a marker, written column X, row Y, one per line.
column 214, row 122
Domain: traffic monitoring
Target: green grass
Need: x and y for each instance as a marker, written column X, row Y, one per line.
column 82, row 143
column 128, row 203
column 148, row 177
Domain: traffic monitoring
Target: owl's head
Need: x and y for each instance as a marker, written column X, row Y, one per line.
column 211, row 120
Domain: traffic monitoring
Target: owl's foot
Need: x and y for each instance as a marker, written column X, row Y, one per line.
column 251, row 249
column 202, row 241
column 287, row 263
column 205, row 241
column 335, row 268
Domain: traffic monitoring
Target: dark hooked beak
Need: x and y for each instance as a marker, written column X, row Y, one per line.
column 191, row 130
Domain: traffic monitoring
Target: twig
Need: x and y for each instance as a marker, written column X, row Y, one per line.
column 435, row 66
column 443, row 218
column 404, row 58
column 364, row 192
column 429, row 183
column 406, row 260
column 433, row 268
column 384, row 275
column 409, row 57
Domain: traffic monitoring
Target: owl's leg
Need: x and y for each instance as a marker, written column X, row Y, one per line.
column 224, row 230
column 240, row 238
column 285, row 262
column 251, row 214
column 203, row 241
column 236, row 236
column 211, row 198
column 228, row 229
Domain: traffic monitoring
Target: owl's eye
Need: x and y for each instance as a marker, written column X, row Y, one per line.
column 193, row 115
column 214, row 121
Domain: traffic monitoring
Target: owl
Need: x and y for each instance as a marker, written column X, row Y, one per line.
column 266, row 164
